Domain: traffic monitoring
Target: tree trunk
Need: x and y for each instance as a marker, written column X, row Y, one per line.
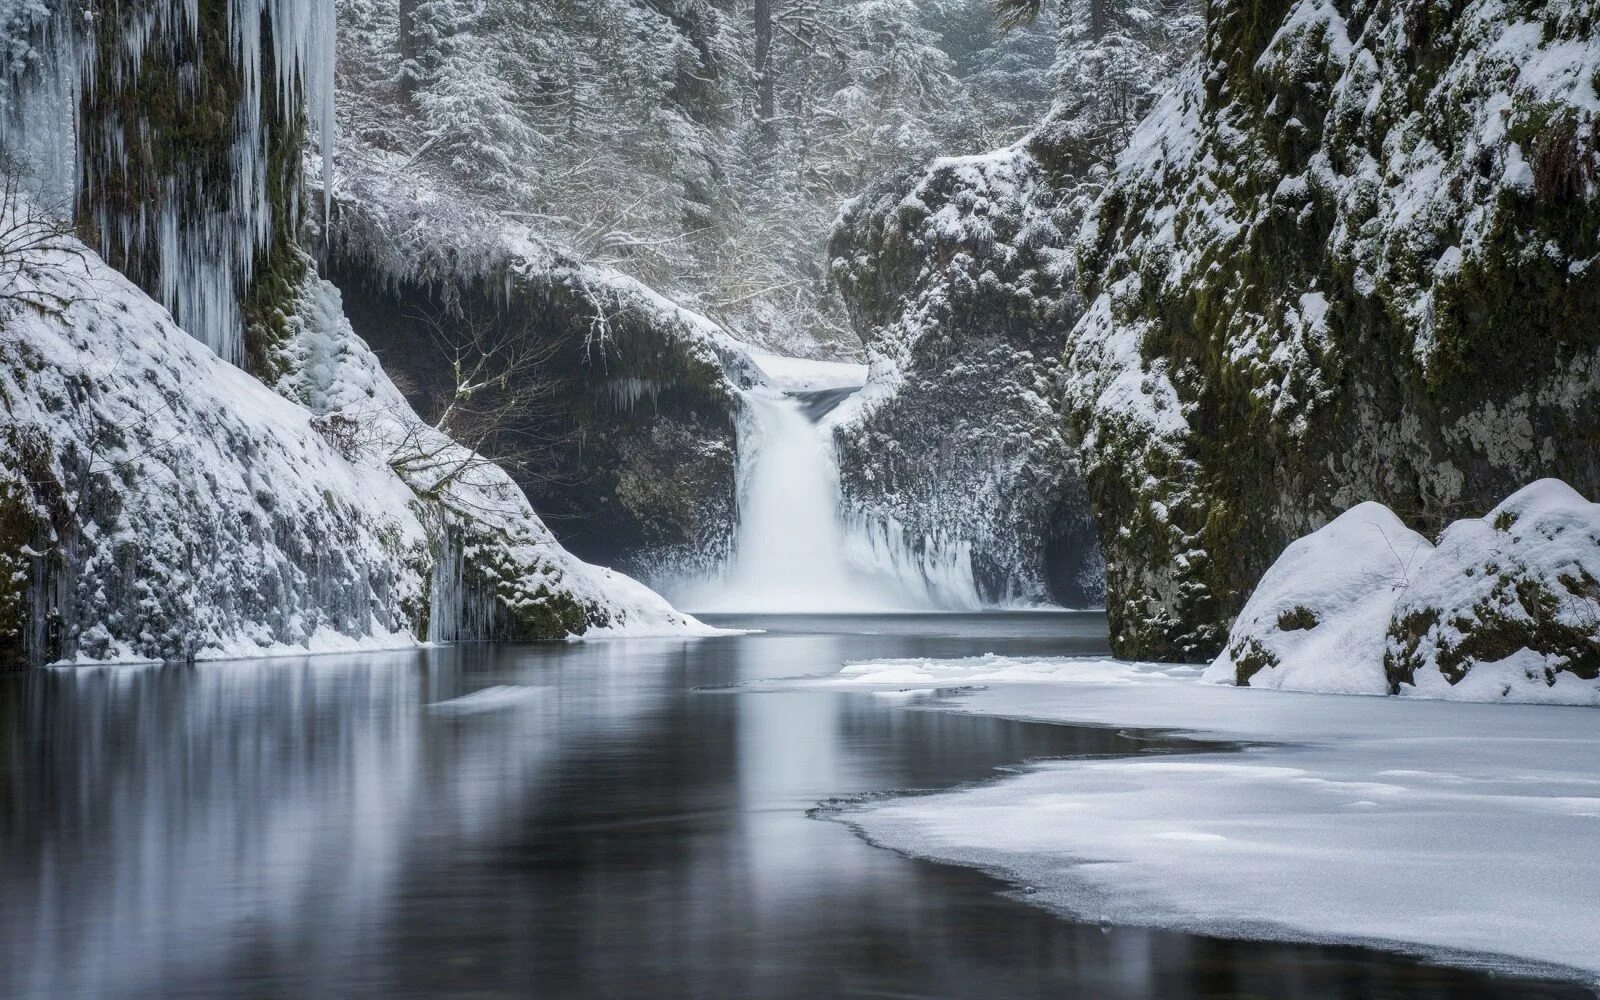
column 1099, row 18
column 763, row 66
column 409, row 64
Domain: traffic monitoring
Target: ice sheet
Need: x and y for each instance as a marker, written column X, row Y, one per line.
column 1460, row 829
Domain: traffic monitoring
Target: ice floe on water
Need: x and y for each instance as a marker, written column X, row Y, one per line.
column 489, row 699
column 1467, row 831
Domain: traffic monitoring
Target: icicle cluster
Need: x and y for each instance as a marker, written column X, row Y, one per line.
column 38, row 97
column 194, row 246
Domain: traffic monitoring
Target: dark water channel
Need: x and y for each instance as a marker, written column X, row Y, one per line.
column 310, row 827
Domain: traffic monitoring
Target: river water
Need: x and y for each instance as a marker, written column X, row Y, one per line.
column 612, row 822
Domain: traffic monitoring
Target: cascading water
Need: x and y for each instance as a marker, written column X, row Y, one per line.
column 791, row 553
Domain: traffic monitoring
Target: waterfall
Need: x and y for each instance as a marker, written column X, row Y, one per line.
column 792, row 552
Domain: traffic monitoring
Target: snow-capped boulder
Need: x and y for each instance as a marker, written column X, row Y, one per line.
column 1507, row 606
column 1316, row 622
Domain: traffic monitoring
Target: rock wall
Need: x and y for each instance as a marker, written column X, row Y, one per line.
column 158, row 503
column 958, row 282
column 1351, row 257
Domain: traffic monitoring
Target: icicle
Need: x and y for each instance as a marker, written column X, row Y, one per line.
column 623, row 394
column 197, row 247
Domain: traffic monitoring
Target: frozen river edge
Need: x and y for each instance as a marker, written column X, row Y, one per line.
column 1463, row 832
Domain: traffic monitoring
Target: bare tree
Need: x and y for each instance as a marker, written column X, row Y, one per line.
column 30, row 239
column 497, row 405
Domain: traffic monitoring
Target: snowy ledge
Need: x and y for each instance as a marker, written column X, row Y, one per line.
column 1465, row 832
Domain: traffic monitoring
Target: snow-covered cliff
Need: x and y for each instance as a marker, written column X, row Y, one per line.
column 161, row 503
column 958, row 282
column 1351, row 257
column 643, row 394
column 155, row 499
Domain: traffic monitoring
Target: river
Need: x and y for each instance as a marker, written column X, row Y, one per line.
column 612, row 819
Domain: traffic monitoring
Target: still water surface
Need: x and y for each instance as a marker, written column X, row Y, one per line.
column 618, row 828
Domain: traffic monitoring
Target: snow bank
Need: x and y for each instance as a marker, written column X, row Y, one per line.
column 159, row 503
column 1456, row 830
column 1507, row 608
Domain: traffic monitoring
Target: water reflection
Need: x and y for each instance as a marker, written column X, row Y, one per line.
column 311, row 828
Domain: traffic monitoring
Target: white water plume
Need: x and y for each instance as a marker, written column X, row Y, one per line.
column 791, row 553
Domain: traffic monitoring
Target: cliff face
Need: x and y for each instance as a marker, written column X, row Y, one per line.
column 1352, row 257
column 958, row 282
column 158, row 503
column 637, row 425
column 189, row 133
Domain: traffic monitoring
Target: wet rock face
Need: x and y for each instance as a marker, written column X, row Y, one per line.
column 1348, row 259
column 636, row 463
column 957, row 284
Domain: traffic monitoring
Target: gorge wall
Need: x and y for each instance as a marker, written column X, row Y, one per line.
column 1350, row 258
column 958, row 282
column 635, row 433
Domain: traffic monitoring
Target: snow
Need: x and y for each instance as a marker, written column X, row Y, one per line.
column 806, row 374
column 1460, row 831
column 215, row 520
column 1527, row 569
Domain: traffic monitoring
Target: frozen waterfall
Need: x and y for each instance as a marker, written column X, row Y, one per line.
column 792, row 552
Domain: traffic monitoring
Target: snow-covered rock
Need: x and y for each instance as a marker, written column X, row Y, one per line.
column 1506, row 607
column 156, row 502
column 1317, row 620
column 957, row 281
column 644, row 395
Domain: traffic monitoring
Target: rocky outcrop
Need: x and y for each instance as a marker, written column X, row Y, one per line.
column 1351, row 257
column 1505, row 607
column 638, row 430
column 958, row 282
column 159, row 503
